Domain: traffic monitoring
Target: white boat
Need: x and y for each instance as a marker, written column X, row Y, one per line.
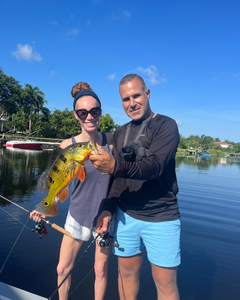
column 8, row 292
column 24, row 144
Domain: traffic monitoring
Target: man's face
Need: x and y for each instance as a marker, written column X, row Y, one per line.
column 135, row 101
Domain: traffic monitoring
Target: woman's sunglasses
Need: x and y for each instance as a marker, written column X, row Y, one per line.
column 83, row 113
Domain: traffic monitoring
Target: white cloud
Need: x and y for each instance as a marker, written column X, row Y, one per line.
column 126, row 14
column 122, row 15
column 52, row 73
column 26, row 52
column 152, row 75
column 236, row 75
column 180, row 123
column 55, row 23
column 74, row 31
column 112, row 76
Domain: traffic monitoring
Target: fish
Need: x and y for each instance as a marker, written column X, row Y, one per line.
column 68, row 165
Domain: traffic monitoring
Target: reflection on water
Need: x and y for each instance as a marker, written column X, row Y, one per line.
column 20, row 170
column 206, row 162
column 209, row 204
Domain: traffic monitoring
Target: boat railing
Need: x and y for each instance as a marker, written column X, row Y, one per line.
column 32, row 133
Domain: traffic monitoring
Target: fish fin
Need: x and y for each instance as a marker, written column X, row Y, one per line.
column 52, row 211
column 63, row 195
column 43, row 183
column 82, row 174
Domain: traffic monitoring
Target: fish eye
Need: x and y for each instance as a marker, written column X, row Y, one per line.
column 46, row 203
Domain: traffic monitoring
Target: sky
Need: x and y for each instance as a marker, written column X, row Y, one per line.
column 188, row 53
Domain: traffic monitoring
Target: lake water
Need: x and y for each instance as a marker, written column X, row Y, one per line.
column 209, row 199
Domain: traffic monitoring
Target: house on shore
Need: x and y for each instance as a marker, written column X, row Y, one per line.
column 223, row 145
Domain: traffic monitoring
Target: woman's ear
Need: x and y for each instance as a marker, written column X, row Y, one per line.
column 76, row 116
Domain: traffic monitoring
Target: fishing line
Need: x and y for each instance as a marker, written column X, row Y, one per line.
column 55, row 226
column 86, row 250
column 15, row 218
column 80, row 282
column 14, row 245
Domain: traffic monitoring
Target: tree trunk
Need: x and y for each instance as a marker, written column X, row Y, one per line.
column 30, row 121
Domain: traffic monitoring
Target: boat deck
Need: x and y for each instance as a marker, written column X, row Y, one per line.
column 8, row 292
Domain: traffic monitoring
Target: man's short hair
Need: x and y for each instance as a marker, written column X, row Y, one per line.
column 130, row 77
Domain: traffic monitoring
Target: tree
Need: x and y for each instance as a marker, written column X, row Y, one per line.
column 18, row 120
column 40, row 101
column 10, row 95
column 106, row 124
column 182, row 143
column 35, row 100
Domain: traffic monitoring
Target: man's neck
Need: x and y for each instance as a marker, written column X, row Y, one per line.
column 139, row 121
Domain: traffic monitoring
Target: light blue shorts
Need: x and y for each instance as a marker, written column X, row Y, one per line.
column 161, row 239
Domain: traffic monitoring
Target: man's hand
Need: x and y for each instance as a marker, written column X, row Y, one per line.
column 103, row 162
column 103, row 221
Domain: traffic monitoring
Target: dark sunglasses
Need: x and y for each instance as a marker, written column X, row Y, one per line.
column 83, row 113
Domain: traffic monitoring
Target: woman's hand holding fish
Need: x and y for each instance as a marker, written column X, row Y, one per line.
column 36, row 216
column 103, row 221
column 103, row 161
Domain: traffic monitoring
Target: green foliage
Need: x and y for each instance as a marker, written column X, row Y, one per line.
column 62, row 124
column 106, row 124
column 18, row 120
column 34, row 101
column 69, row 126
column 183, row 142
column 10, row 95
column 206, row 143
column 25, row 108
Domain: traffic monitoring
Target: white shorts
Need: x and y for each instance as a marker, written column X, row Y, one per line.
column 79, row 231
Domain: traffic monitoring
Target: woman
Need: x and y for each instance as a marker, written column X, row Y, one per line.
column 87, row 197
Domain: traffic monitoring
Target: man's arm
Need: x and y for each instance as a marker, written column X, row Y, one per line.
column 162, row 149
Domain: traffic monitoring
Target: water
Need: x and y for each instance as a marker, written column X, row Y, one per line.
column 209, row 199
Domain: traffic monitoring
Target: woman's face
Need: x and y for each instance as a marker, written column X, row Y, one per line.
column 90, row 123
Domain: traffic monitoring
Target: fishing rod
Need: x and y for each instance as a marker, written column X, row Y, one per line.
column 53, row 225
column 86, row 250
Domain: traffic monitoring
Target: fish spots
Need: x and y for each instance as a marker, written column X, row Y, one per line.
column 55, row 169
column 63, row 158
column 51, row 180
column 65, row 168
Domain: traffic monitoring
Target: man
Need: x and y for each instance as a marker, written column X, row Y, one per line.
column 144, row 188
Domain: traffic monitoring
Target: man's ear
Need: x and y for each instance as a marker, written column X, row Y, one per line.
column 148, row 93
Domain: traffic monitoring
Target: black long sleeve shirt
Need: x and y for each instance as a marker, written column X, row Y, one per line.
column 146, row 189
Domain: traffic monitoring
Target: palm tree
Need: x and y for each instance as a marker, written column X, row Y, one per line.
column 36, row 100
column 39, row 107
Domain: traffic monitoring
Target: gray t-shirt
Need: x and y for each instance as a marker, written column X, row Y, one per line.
column 88, row 197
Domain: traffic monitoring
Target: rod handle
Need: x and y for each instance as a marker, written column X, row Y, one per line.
column 62, row 230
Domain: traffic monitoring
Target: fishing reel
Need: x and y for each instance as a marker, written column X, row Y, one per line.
column 105, row 240
column 40, row 229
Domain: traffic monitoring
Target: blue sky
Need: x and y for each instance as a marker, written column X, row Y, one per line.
column 188, row 52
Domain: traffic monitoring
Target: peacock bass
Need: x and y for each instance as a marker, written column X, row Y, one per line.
column 68, row 165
